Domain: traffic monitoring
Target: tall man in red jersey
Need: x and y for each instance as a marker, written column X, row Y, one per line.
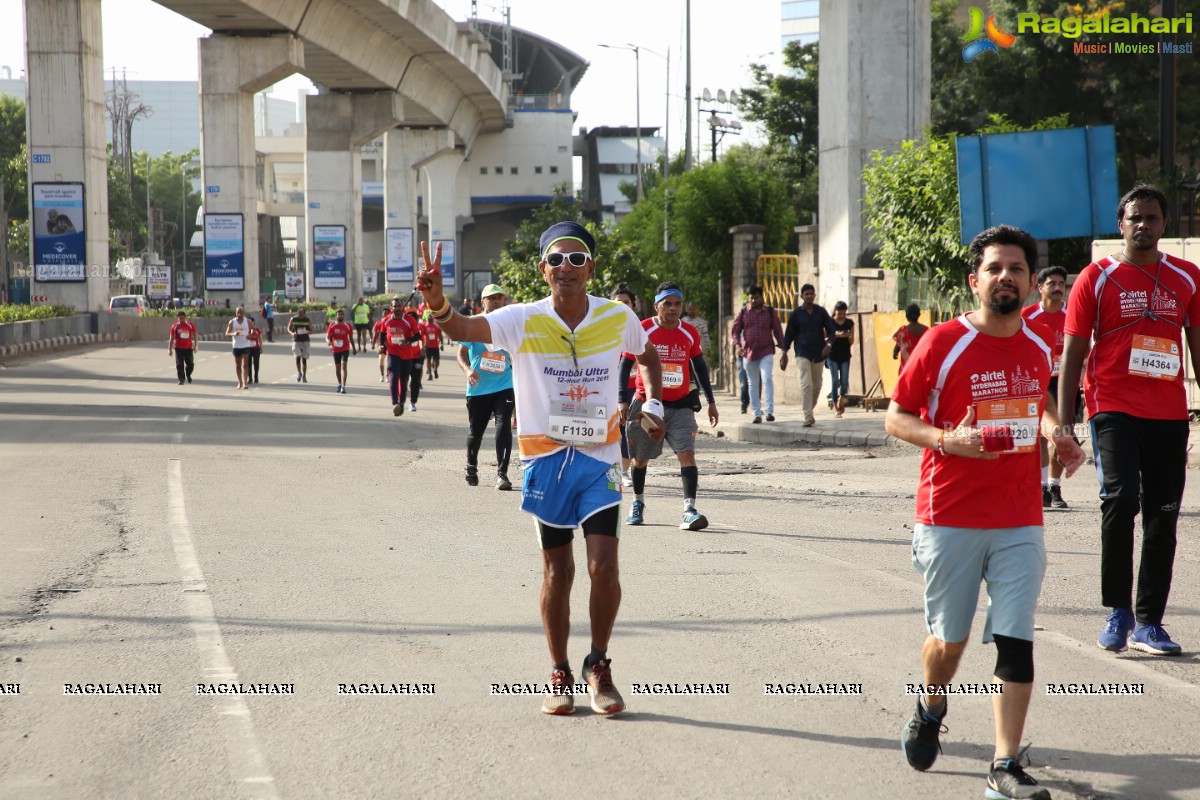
column 679, row 350
column 340, row 336
column 973, row 394
column 397, row 331
column 1132, row 309
column 1051, row 313
column 182, row 344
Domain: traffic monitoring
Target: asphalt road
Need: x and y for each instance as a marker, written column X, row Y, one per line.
column 167, row 536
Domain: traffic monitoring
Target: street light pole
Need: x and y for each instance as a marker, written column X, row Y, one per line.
column 637, row 66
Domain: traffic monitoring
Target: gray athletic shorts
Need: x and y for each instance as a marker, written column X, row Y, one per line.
column 681, row 433
column 300, row 349
column 953, row 561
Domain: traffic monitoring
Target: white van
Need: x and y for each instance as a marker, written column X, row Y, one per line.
column 132, row 304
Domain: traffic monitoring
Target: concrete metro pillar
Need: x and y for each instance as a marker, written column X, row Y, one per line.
column 404, row 149
column 66, row 127
column 441, row 172
column 874, row 92
column 232, row 69
column 337, row 126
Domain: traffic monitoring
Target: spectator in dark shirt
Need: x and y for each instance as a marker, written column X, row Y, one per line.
column 839, row 355
column 810, row 329
column 757, row 328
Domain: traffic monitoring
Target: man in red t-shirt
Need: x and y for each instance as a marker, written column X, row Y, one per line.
column 1051, row 313
column 1127, row 319
column 973, row 394
column 340, row 336
column 378, row 341
column 431, row 334
column 414, row 353
column 181, row 343
column 397, row 332
column 679, row 350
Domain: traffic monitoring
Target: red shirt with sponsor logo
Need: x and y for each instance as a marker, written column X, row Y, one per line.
column 956, row 367
column 396, row 332
column 1054, row 321
column 255, row 337
column 431, row 332
column 676, row 347
column 339, row 335
column 183, row 335
column 1135, row 317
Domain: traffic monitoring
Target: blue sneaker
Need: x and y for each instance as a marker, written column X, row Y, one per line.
column 1153, row 639
column 635, row 513
column 1116, row 630
column 693, row 520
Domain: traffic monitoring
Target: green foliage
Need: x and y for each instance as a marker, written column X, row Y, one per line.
column 517, row 270
column 786, row 105
column 748, row 185
column 1041, row 75
column 10, row 312
column 911, row 205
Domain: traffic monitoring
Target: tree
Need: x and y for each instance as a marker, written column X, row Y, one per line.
column 911, row 201
column 1041, row 75
column 517, row 268
column 786, row 106
column 13, row 157
column 698, row 207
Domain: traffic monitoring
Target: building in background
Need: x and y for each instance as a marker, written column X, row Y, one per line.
column 801, row 21
column 610, row 158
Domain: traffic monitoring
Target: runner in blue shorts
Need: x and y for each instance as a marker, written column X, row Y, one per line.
column 973, row 394
column 565, row 351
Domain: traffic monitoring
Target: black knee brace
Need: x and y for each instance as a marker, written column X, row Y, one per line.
column 1014, row 659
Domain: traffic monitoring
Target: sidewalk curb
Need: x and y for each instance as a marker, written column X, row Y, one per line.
column 791, row 433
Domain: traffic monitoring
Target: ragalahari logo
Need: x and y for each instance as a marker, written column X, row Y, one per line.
column 984, row 37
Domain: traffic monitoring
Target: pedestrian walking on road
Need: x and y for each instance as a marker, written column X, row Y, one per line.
column 254, row 357
column 362, row 323
column 238, row 331
column 340, row 337
column 811, row 330
column 682, row 358
column 623, row 294
column 1051, row 312
column 300, row 327
column 398, row 333
column 489, row 396
column 757, row 328
column 269, row 317
column 978, row 517
column 565, row 356
column 182, row 343
column 907, row 336
column 839, row 356
column 1132, row 309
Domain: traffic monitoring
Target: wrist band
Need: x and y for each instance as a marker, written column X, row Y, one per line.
column 654, row 407
column 941, row 445
column 445, row 305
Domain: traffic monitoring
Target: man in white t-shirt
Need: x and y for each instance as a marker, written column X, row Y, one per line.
column 238, row 330
column 565, row 352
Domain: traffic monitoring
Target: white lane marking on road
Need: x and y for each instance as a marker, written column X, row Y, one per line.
column 246, row 759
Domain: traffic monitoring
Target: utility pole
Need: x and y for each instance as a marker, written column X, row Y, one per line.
column 687, row 86
column 3, row 244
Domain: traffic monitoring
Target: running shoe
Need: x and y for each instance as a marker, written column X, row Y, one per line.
column 382, row 379
column 298, row 377
column 1009, row 782
column 1046, row 499
column 1116, row 630
column 397, row 409
column 693, row 520
column 412, row 406
column 561, row 700
column 181, row 383
column 605, row 697
column 1056, row 500
column 1153, row 639
column 503, row 483
column 304, row 378
column 626, row 479
column 920, row 739
column 770, row 417
column 189, row 378
column 636, row 513
column 745, row 406
column 472, row 476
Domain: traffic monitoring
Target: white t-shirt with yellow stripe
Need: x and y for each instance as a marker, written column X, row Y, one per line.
column 565, row 381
